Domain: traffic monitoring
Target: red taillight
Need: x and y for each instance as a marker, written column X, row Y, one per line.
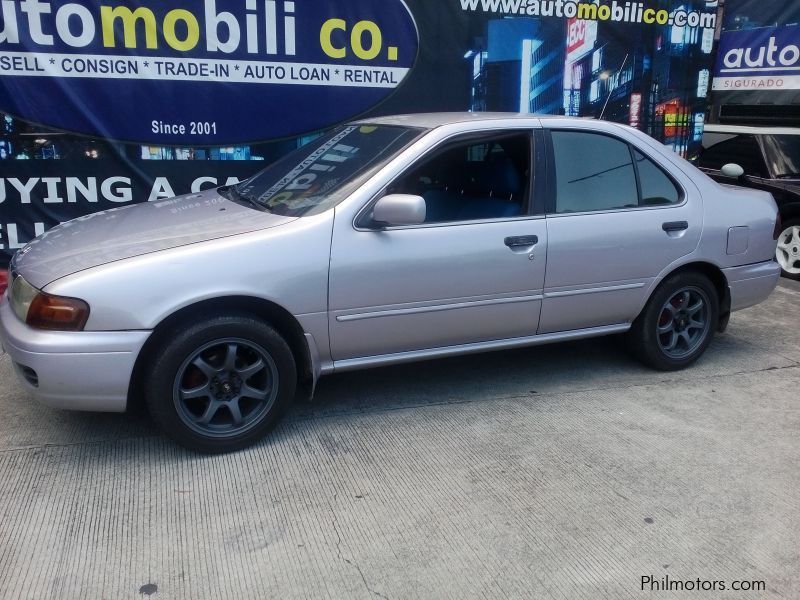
column 3, row 282
column 778, row 227
column 55, row 313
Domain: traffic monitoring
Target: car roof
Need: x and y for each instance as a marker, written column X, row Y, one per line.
column 434, row 120
column 743, row 129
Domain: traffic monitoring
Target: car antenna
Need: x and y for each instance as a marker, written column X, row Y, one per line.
column 611, row 91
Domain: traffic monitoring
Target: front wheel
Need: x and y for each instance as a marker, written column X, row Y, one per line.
column 788, row 252
column 221, row 384
column 678, row 323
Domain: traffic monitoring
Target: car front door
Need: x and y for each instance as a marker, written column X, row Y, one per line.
column 473, row 272
column 615, row 221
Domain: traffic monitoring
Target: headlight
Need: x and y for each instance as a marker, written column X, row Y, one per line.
column 45, row 311
column 21, row 295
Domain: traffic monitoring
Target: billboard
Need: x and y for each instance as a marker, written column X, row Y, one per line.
column 759, row 48
column 763, row 58
column 105, row 103
column 193, row 72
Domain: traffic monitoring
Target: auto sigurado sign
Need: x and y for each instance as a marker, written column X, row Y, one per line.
column 766, row 58
column 200, row 72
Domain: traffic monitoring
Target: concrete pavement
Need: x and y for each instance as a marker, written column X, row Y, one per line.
column 566, row 471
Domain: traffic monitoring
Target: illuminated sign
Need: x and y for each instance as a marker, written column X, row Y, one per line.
column 581, row 37
column 635, row 110
column 675, row 118
column 703, row 79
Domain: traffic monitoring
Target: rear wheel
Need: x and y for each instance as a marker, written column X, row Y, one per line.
column 678, row 323
column 788, row 252
column 221, row 384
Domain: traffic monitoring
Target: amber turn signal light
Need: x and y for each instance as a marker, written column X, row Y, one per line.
column 54, row 313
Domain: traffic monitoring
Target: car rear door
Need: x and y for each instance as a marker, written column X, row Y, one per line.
column 615, row 221
column 474, row 272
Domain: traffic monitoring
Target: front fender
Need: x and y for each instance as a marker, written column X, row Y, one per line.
column 286, row 265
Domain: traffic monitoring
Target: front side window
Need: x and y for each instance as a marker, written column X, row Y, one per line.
column 321, row 174
column 783, row 155
column 485, row 178
column 742, row 150
column 593, row 172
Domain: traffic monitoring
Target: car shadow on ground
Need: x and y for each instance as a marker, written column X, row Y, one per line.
column 526, row 373
column 522, row 372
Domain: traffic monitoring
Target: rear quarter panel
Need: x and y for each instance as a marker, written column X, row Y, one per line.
column 730, row 213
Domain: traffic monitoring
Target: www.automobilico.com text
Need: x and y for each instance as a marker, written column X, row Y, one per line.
column 616, row 12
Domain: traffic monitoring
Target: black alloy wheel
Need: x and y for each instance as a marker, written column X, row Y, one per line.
column 220, row 384
column 678, row 323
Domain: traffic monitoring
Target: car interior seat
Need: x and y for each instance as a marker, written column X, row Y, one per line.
column 500, row 192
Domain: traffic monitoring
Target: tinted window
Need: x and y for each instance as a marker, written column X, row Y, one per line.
column 783, row 154
column 657, row 187
column 484, row 178
column 742, row 150
column 321, row 174
column 593, row 172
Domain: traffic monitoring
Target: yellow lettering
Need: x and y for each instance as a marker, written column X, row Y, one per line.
column 325, row 35
column 282, row 198
column 649, row 16
column 356, row 39
column 587, row 12
column 192, row 30
column 109, row 15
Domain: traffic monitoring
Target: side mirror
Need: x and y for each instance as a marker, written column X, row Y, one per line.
column 733, row 170
column 400, row 209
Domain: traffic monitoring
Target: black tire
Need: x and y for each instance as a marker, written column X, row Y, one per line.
column 220, row 384
column 667, row 313
column 788, row 253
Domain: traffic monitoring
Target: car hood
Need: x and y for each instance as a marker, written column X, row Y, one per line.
column 135, row 230
column 792, row 185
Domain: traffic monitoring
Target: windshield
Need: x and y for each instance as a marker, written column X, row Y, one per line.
column 324, row 172
column 783, row 154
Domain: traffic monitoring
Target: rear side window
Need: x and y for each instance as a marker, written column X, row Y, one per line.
column 596, row 172
column 593, row 172
column 742, row 150
column 657, row 188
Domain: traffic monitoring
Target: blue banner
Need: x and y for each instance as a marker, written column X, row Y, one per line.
column 201, row 72
column 760, row 58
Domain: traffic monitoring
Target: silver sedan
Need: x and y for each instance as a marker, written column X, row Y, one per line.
column 390, row 240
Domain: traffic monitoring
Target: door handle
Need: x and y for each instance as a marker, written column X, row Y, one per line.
column 675, row 226
column 522, row 241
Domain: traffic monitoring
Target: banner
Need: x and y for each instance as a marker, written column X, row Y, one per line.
column 766, row 58
column 199, row 71
column 759, row 49
column 110, row 102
